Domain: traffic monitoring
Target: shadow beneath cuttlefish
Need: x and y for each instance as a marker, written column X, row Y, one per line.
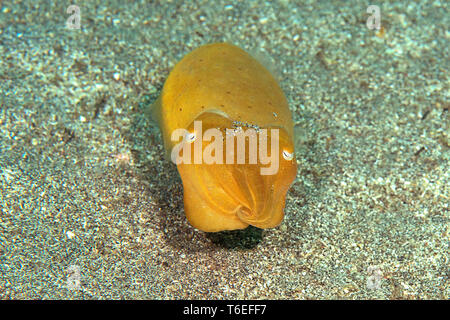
column 247, row 238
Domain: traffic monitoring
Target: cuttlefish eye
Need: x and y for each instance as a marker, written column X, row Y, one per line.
column 288, row 155
column 190, row 137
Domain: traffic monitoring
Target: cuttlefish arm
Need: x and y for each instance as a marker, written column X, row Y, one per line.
column 233, row 196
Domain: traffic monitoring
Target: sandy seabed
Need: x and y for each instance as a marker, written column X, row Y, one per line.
column 92, row 209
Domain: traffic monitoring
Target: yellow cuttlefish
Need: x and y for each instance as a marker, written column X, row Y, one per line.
column 212, row 97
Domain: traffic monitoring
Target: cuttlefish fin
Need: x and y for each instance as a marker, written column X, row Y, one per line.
column 154, row 111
